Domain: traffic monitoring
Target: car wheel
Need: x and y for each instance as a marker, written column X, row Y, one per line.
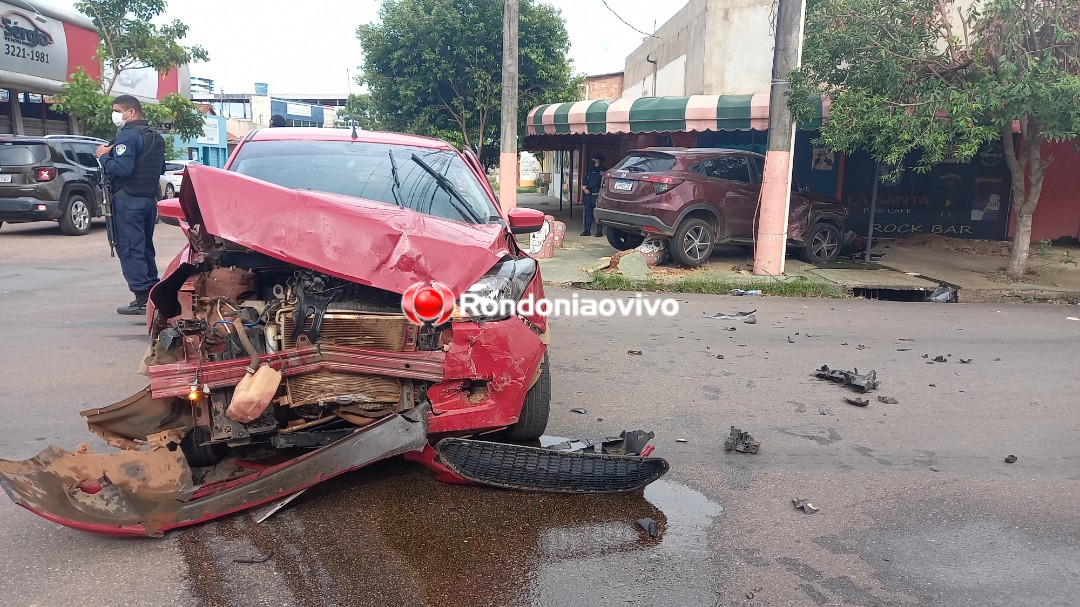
column 822, row 243
column 536, row 408
column 692, row 244
column 170, row 191
column 76, row 218
column 623, row 240
column 199, row 455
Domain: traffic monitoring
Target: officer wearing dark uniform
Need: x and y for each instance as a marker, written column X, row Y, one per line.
column 134, row 162
column 591, row 188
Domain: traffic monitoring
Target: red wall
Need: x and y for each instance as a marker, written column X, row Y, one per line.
column 82, row 44
column 1058, row 213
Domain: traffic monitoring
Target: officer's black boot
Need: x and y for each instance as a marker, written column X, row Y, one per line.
column 136, row 307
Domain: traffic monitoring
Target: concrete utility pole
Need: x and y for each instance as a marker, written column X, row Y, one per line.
column 508, row 142
column 771, row 245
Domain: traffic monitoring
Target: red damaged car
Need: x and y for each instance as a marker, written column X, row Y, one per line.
column 280, row 351
column 697, row 198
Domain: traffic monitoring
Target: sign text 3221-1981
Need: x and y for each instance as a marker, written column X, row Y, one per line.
column 21, row 53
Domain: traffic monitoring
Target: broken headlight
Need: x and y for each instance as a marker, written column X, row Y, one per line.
column 496, row 295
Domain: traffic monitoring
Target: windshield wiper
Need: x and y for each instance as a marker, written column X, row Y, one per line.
column 462, row 206
column 397, row 183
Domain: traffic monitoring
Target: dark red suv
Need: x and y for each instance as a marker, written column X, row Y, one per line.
column 699, row 198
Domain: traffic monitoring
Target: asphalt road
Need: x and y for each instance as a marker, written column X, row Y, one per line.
column 916, row 503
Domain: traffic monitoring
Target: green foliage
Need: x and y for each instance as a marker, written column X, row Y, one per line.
column 361, row 110
column 83, row 99
column 800, row 286
column 434, row 67
column 920, row 81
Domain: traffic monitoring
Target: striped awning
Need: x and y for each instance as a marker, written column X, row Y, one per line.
column 695, row 113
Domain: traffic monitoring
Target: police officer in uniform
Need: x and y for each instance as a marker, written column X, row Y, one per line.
column 134, row 162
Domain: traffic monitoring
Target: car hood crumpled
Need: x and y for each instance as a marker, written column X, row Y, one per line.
column 360, row 240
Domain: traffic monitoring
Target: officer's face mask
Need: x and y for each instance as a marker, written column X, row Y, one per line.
column 118, row 118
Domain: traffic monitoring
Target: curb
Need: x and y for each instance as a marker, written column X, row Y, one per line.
column 1016, row 296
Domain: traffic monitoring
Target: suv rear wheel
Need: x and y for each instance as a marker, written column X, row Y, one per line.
column 623, row 240
column 76, row 218
column 692, row 244
column 822, row 243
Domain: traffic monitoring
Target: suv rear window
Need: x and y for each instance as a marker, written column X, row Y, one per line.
column 21, row 154
column 646, row 162
column 173, row 166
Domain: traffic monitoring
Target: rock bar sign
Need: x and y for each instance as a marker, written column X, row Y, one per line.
column 961, row 200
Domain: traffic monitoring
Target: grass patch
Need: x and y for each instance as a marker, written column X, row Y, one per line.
column 799, row 286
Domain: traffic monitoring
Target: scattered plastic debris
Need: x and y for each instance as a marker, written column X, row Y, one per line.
column 720, row 357
column 864, row 383
column 933, row 385
column 681, row 440
column 940, row 359
column 649, row 526
column 734, row 316
column 858, row 402
column 904, row 339
column 789, row 340
column 926, row 356
column 966, row 361
column 248, row 561
column 997, row 360
column 741, row 441
column 633, row 442
column 1071, row 318
column 934, row 469
column 1010, row 460
column 579, row 410
column 943, row 294
column 804, row 505
column 634, row 352
column 750, row 293
column 903, row 349
column 729, row 328
column 888, row 400
column 860, row 347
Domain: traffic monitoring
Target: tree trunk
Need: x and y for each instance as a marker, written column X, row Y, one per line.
column 1027, row 186
column 1018, row 252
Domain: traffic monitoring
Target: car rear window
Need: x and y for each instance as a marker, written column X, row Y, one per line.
column 21, row 154
column 365, row 170
column 646, row 162
column 174, row 167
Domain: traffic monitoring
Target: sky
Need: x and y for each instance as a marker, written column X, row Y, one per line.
column 267, row 41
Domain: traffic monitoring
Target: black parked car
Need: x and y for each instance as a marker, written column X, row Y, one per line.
column 51, row 178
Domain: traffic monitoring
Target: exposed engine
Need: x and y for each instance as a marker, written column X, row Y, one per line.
column 314, row 344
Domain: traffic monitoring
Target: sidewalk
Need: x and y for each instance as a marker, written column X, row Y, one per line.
column 974, row 268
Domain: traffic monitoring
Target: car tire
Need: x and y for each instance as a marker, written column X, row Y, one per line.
column 199, row 455
column 623, row 240
column 76, row 218
column 693, row 242
column 535, row 410
column 170, row 191
column 823, row 242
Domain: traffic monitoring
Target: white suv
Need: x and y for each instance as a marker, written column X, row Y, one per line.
column 170, row 181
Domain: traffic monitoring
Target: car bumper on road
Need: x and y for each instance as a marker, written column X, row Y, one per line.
column 17, row 210
column 646, row 225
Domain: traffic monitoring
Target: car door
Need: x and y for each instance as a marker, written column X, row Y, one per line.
column 733, row 194
column 83, row 156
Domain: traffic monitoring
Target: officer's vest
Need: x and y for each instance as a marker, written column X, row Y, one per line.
column 143, row 181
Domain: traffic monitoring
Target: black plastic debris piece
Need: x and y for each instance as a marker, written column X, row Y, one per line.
column 860, row 347
column 1010, row 460
column 997, row 360
column 804, row 505
column 904, row 339
column 634, row 352
column 858, row 402
column 940, row 359
column 933, row 385
column 863, row 383
column 649, row 526
column 626, row 443
column 844, row 344
column 888, row 400
column 252, row 560
column 579, row 410
column 903, row 349
column 966, row 361
column 720, row 357
column 729, row 328
column 741, row 441
column 789, row 340
column 926, row 356
column 733, row 316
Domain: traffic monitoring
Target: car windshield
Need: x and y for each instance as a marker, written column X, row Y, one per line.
column 365, row 170
column 21, row 154
column 646, row 162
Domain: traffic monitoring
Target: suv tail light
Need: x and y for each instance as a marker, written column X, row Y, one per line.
column 662, row 183
column 45, row 173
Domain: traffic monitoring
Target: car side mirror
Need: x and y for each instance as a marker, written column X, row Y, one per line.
column 169, row 211
column 525, row 221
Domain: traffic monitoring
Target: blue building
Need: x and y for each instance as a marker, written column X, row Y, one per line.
column 210, row 149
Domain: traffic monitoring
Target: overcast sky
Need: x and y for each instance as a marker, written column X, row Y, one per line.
column 269, row 41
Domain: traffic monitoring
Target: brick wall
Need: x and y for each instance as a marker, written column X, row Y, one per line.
column 607, row 86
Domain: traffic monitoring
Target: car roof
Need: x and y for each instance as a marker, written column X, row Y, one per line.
column 326, row 134
column 49, row 138
column 695, row 152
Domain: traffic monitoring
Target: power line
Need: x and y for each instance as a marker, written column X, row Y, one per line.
column 627, row 24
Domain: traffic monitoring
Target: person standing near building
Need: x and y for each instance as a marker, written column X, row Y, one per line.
column 276, row 121
column 134, row 162
column 591, row 188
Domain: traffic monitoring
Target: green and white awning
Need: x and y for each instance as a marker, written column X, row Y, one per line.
column 695, row 113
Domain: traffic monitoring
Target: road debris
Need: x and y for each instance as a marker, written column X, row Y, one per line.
column 966, row 361
column 275, row 507
column 720, row 357
column 733, row 316
column 252, row 560
column 904, row 339
column 750, row 293
column 741, row 441
column 649, row 526
column 926, row 356
column 888, row 400
column 864, row 383
column 626, row 443
column 804, row 505
column 1071, row 318
column 903, row 349
column 943, row 294
column 681, row 440
column 753, row 592
column 860, row 347
column 579, row 410
column 940, row 359
column 789, row 340
column 634, row 352
column 935, row 469
column 858, row 402
column 1010, row 460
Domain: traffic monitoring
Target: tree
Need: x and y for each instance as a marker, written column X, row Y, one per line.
column 361, row 110
column 434, row 67
column 937, row 78
column 128, row 40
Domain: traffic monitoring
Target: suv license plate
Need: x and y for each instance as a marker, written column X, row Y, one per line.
column 623, row 186
column 5, row 178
